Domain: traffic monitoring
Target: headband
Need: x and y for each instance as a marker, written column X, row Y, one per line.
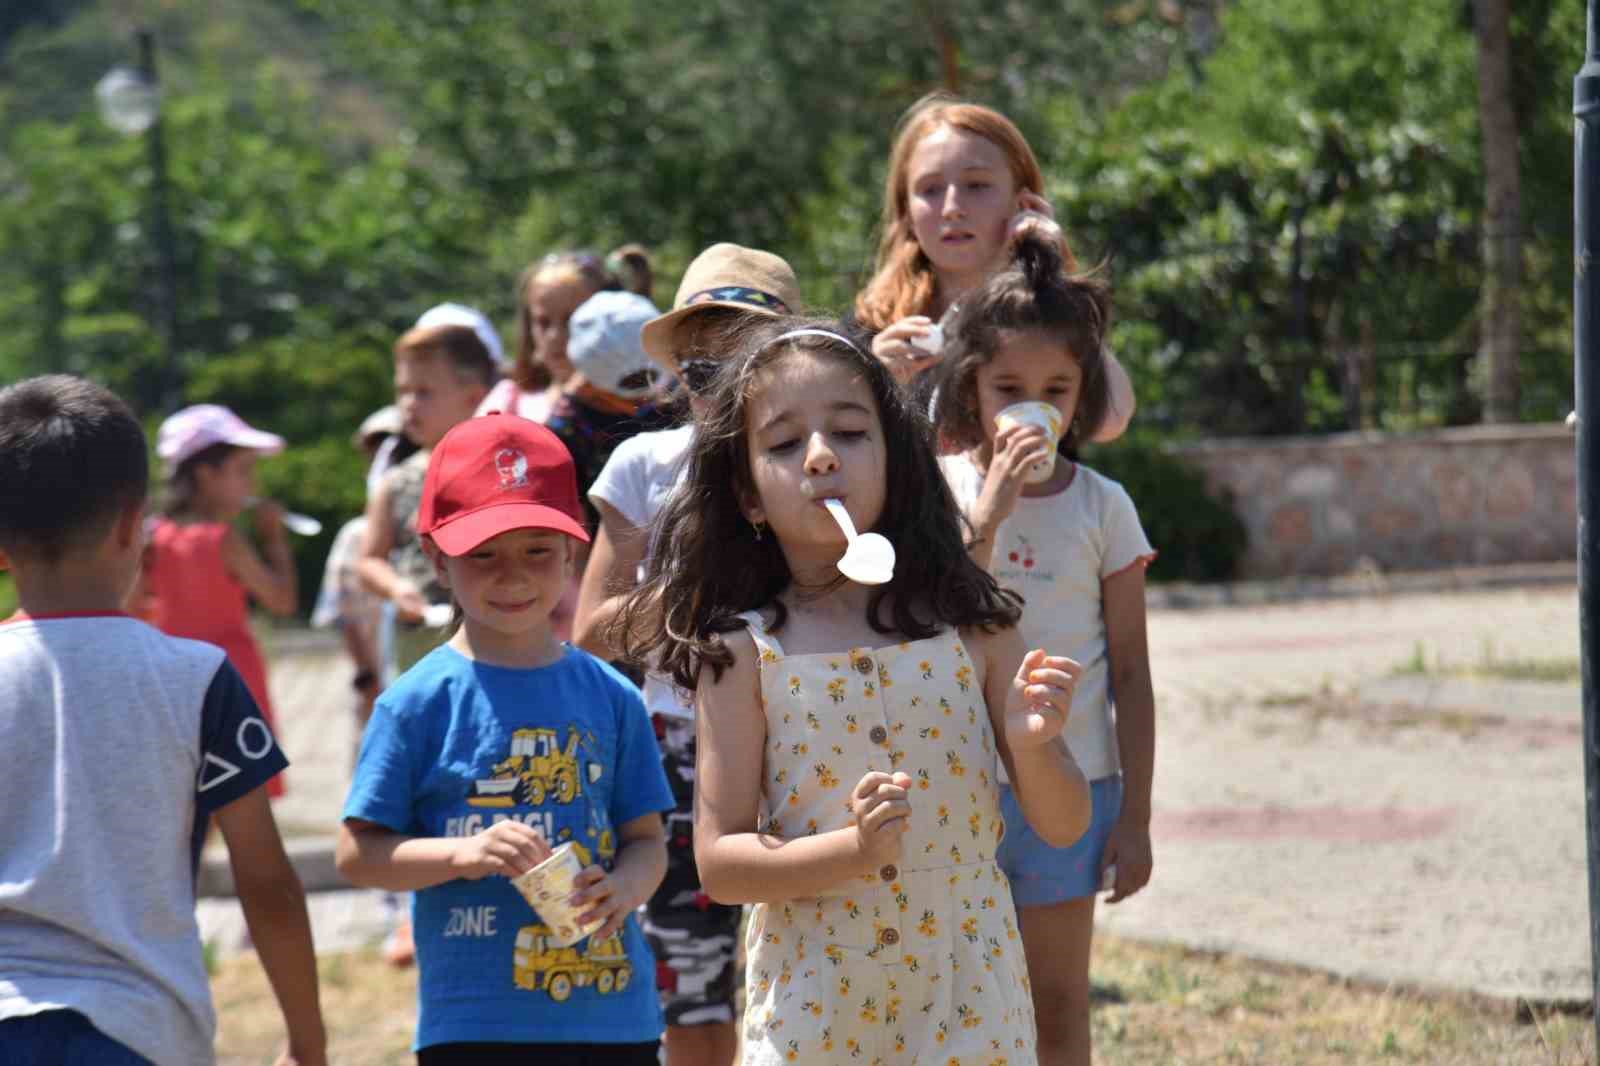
column 813, row 332
column 739, row 294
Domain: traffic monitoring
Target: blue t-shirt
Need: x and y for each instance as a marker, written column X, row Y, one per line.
column 456, row 745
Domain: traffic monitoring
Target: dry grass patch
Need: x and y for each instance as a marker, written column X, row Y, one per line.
column 1173, row 1006
column 1155, row 1004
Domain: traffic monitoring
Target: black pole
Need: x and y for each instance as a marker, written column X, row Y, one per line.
column 1586, row 371
column 171, row 376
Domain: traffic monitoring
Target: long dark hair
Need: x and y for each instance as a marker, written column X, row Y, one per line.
column 707, row 565
column 1036, row 293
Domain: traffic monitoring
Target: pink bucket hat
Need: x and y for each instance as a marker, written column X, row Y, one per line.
column 194, row 429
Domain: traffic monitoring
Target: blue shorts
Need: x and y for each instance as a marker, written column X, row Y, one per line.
column 1041, row 875
column 61, row 1038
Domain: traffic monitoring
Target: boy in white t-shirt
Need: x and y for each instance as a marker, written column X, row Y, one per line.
column 694, row 939
column 117, row 745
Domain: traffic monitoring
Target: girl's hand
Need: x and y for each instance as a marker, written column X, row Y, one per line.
column 506, row 848
column 881, row 804
column 1040, row 699
column 1128, row 846
column 606, row 900
column 1034, row 216
column 1016, row 448
column 903, row 359
column 267, row 516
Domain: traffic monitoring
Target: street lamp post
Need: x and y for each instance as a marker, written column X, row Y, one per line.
column 130, row 102
column 1586, row 370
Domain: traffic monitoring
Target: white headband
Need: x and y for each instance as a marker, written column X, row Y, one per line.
column 813, row 332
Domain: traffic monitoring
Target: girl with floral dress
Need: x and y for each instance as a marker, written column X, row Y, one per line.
column 850, row 736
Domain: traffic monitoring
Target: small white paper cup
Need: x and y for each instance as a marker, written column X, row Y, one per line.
column 546, row 888
column 1034, row 413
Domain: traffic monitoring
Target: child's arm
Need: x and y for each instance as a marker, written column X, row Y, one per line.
column 1029, row 697
column 274, row 905
column 737, row 863
column 268, row 577
column 1016, row 448
column 1122, row 601
column 370, row 855
column 374, row 567
column 641, row 864
column 611, row 571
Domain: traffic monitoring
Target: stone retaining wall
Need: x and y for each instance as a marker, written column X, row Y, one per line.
column 1474, row 496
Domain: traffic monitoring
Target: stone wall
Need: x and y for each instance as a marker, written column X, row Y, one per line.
column 1452, row 497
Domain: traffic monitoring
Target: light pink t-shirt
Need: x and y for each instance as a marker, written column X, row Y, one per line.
column 1055, row 551
column 506, row 396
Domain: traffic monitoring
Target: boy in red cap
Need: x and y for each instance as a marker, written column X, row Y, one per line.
column 497, row 747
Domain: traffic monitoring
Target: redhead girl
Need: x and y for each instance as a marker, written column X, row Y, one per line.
column 962, row 186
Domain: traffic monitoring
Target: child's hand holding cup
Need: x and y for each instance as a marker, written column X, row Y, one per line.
column 1035, row 413
column 547, row 888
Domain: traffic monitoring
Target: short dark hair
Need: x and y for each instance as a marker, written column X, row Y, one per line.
column 458, row 346
column 1036, row 293
column 72, row 458
column 706, row 565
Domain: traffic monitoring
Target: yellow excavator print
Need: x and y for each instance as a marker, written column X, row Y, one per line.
column 537, row 766
column 539, row 966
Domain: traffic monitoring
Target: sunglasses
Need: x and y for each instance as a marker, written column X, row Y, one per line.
column 698, row 374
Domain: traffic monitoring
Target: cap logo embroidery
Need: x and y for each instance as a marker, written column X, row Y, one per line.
column 512, row 466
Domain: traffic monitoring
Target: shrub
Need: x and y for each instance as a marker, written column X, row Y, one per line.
column 1196, row 532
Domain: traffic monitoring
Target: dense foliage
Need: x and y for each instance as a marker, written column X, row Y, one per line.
column 1285, row 193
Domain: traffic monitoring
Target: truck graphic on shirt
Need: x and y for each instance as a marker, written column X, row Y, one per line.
column 538, row 766
column 540, row 967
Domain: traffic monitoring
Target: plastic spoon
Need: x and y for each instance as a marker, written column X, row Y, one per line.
column 302, row 524
column 869, row 558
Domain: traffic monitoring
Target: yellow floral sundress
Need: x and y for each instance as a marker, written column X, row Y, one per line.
column 920, row 962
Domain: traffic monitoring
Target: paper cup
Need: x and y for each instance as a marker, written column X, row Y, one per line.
column 546, row 888
column 1033, row 413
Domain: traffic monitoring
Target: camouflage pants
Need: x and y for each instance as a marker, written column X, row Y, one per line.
column 694, row 939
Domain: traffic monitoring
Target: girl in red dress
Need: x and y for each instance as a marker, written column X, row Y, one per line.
column 200, row 572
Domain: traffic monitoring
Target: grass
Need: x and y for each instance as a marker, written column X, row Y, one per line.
column 1491, row 666
column 1153, row 1004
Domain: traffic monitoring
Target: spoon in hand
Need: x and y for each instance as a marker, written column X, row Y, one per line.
column 869, row 558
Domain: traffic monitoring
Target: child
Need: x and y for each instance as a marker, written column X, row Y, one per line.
column 599, row 406
column 846, row 779
column 497, row 747
column 547, row 293
column 343, row 602
column 199, row 572
column 962, row 185
column 441, row 374
column 694, row 939
column 117, row 745
column 1071, row 545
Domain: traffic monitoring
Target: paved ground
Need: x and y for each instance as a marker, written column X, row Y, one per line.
column 1315, row 804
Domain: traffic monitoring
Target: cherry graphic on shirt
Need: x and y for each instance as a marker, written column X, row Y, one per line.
column 1025, row 556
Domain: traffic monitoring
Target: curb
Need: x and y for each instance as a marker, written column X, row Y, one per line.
column 1370, row 584
column 311, row 857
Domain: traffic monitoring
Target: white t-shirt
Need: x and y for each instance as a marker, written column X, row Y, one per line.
column 507, row 397
column 637, row 480
column 1055, row 551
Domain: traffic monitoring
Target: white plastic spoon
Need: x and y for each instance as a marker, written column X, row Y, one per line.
column 302, row 524
column 869, row 558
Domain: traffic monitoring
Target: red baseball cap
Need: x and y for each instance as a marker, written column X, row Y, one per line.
column 497, row 473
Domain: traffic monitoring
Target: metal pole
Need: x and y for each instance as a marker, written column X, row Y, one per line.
column 166, row 259
column 1586, row 371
